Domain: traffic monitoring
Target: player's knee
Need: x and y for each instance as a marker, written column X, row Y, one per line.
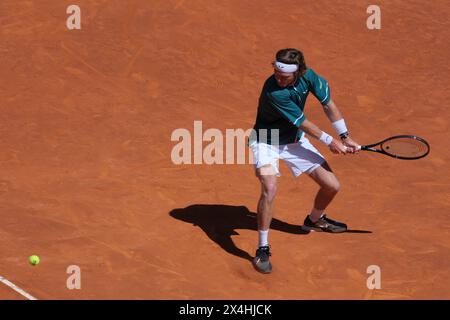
column 333, row 187
column 269, row 189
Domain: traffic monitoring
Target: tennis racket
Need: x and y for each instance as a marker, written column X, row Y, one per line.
column 403, row 147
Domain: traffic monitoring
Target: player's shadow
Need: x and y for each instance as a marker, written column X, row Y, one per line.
column 220, row 222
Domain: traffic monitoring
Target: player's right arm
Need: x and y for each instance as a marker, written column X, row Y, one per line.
column 291, row 112
column 311, row 129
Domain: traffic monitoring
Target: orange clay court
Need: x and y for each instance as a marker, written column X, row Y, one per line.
column 86, row 176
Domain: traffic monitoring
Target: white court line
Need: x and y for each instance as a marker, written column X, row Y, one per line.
column 16, row 288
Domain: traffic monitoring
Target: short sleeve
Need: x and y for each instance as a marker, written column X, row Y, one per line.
column 318, row 87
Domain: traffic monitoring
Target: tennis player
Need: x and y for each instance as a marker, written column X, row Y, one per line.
column 279, row 133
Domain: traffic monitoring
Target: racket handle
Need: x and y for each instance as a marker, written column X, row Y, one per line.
column 357, row 149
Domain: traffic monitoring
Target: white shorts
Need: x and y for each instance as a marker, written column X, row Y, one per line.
column 300, row 157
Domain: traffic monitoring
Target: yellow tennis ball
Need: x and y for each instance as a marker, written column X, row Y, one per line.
column 34, row 260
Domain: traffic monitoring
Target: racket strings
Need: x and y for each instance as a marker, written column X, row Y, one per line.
column 405, row 147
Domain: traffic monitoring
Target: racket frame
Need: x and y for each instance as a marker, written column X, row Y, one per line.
column 371, row 148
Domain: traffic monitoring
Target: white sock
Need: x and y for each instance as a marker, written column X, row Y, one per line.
column 263, row 237
column 315, row 214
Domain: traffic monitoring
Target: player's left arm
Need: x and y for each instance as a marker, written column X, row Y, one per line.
column 318, row 85
column 337, row 120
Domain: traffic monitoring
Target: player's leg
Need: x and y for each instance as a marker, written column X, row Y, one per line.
column 266, row 164
column 329, row 187
column 267, row 176
column 301, row 158
column 268, row 179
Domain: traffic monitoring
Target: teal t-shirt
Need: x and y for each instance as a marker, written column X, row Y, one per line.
column 282, row 108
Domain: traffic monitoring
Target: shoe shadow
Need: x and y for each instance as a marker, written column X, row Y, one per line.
column 220, row 222
column 358, row 231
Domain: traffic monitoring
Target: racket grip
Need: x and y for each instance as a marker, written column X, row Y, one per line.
column 357, row 149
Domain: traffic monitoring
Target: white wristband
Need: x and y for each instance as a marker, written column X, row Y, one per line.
column 326, row 138
column 339, row 126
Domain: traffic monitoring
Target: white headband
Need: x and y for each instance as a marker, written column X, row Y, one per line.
column 283, row 67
